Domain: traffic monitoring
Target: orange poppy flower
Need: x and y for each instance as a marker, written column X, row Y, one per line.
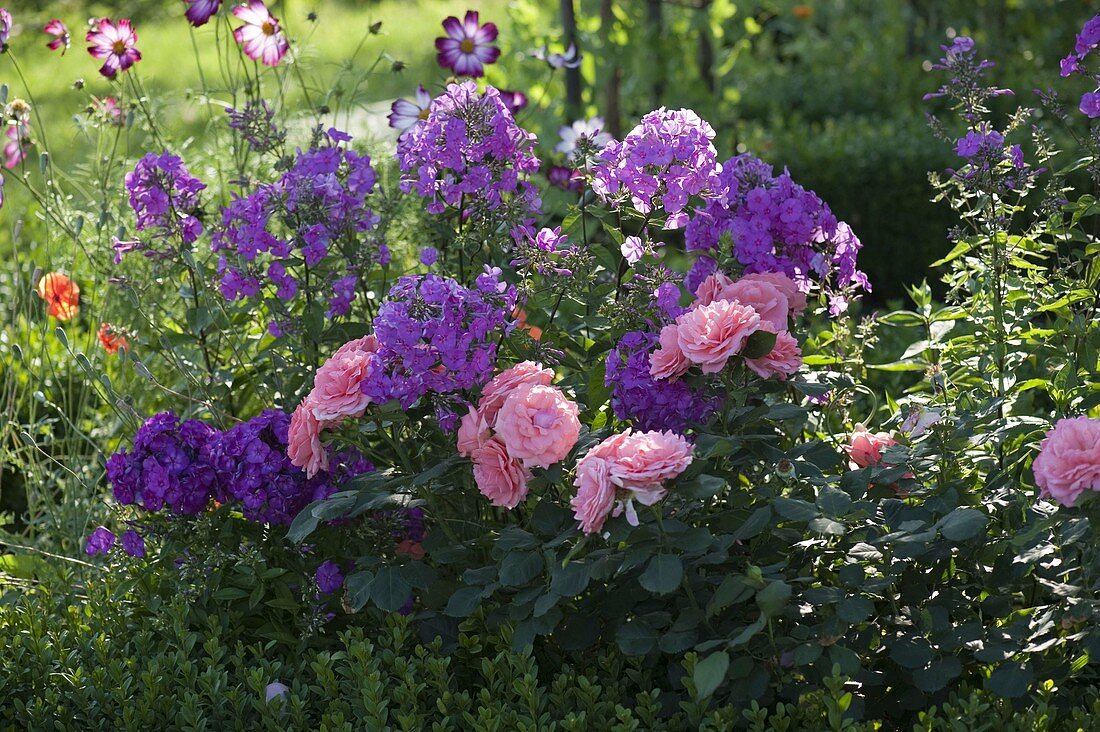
column 61, row 294
column 521, row 320
column 112, row 339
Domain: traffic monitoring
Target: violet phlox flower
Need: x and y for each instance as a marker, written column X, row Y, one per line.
column 320, row 203
column 664, row 162
column 1086, row 42
column 165, row 197
column 648, row 403
column 775, row 225
column 966, row 85
column 470, row 154
column 436, row 336
column 467, row 48
column 115, row 43
column 256, row 125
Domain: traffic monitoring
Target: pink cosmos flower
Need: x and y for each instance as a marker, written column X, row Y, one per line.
column 304, row 441
column 407, row 113
column 473, row 432
column 1068, row 462
column 337, row 386
column 500, row 477
column 466, row 49
column 796, row 298
column 711, row 334
column 785, row 359
column 538, row 424
column 115, row 44
column 595, row 493
column 668, row 361
column 108, row 108
column 865, row 447
column 19, row 141
column 201, row 11
column 261, row 37
column 504, row 383
column 6, row 23
column 60, row 33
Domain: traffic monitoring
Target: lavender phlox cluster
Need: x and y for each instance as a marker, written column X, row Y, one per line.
column 184, row 465
column 256, row 126
column 437, row 336
column 470, row 154
column 1079, row 63
column 664, row 162
column 167, row 467
column 776, row 225
column 648, row 403
column 546, row 251
column 279, row 234
column 966, row 85
column 165, row 199
column 989, row 163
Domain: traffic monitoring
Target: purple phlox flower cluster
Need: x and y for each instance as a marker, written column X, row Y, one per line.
column 165, row 199
column 965, row 85
column 986, row 156
column 283, row 231
column 566, row 178
column 99, row 541
column 776, row 226
column 256, row 125
column 469, row 154
column 167, row 467
column 184, row 465
column 651, row 404
column 436, row 336
column 133, row 544
column 1075, row 63
column 329, row 577
column 664, row 162
column 546, row 251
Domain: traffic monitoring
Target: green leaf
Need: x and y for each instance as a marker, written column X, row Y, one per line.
column 570, row 580
column 514, row 538
column 358, row 586
column 390, row 590
column 663, row 574
column 709, row 673
column 636, row 637
column 463, row 602
column 732, row 590
column 824, row 525
column 1010, row 680
column 703, row 486
column 754, row 524
column 519, row 568
column 794, row 509
column 963, row 523
column 833, row 501
column 759, row 344
column 773, row 598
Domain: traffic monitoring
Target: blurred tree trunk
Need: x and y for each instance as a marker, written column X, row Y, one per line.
column 610, row 72
column 705, row 54
column 572, row 76
column 655, row 16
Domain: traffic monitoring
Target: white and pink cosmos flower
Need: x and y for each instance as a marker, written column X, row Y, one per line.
column 261, row 37
column 60, row 33
column 199, row 12
column 115, row 43
column 467, row 48
column 407, row 113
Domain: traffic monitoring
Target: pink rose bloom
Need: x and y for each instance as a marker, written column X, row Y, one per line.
column 647, row 459
column 668, row 361
column 497, row 390
column 796, row 298
column 473, row 432
column 765, row 298
column 865, row 447
column 337, row 391
column 538, row 424
column 366, row 344
column 500, row 478
column 1068, row 463
column 708, row 289
column 784, row 360
column 710, row 334
column 304, row 441
column 595, row 492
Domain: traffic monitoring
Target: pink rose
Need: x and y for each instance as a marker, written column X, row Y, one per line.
column 668, row 361
column 337, row 391
column 500, row 478
column 708, row 289
column 304, row 441
column 648, row 459
column 497, row 390
column 366, row 344
column 785, row 359
column 473, row 432
column 538, row 424
column 765, row 298
column 796, row 298
column 595, row 493
column 710, row 334
column 1068, row 463
column 865, row 447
